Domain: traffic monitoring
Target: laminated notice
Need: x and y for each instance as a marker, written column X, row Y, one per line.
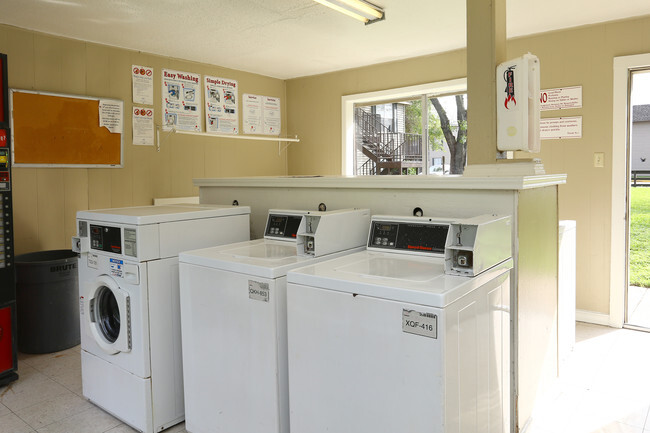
column 424, row 324
column 258, row 291
column 130, row 243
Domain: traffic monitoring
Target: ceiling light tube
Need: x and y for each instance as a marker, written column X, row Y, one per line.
column 357, row 9
column 367, row 9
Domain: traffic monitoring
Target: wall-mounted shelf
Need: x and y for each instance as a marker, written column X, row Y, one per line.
column 279, row 140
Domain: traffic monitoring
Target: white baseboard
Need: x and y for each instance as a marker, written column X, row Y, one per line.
column 592, row 317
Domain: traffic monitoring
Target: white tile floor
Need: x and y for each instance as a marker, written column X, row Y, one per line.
column 47, row 398
column 604, row 388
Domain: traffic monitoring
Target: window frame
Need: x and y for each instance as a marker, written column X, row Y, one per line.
column 440, row 88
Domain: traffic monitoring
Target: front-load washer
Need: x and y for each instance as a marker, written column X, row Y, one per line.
column 388, row 340
column 233, row 317
column 131, row 358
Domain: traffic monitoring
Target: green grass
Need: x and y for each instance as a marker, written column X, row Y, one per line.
column 640, row 237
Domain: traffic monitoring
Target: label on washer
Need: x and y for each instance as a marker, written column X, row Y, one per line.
column 117, row 268
column 258, row 291
column 130, row 243
column 424, row 324
column 92, row 261
column 81, row 305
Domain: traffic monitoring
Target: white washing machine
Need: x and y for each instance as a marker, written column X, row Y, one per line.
column 129, row 303
column 411, row 335
column 233, row 316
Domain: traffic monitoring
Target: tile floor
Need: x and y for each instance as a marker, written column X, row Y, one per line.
column 603, row 388
column 47, row 398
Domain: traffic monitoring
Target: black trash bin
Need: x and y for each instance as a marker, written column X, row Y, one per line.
column 47, row 301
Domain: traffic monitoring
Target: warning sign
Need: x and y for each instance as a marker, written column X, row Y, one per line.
column 562, row 98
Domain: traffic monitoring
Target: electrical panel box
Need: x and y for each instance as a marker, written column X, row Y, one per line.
column 328, row 232
column 475, row 245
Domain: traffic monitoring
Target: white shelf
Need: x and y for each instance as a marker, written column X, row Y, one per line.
column 240, row 137
column 235, row 136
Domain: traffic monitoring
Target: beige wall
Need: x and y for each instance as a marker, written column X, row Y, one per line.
column 582, row 56
column 46, row 199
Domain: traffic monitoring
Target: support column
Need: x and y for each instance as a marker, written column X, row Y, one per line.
column 486, row 48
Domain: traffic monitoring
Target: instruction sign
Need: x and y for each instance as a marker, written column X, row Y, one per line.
column 181, row 101
column 560, row 127
column 142, row 83
column 562, row 98
column 221, row 108
column 262, row 114
column 142, row 126
column 271, row 115
column 252, row 113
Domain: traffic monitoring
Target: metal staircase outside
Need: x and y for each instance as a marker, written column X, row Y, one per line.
column 387, row 151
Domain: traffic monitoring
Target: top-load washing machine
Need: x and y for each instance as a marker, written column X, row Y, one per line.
column 129, row 303
column 233, row 316
column 411, row 335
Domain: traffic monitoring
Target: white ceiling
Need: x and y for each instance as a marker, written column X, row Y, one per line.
column 291, row 38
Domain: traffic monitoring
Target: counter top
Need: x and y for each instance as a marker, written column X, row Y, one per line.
column 390, row 182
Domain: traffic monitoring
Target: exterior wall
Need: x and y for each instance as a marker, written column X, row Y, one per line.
column 640, row 157
column 581, row 56
column 46, row 199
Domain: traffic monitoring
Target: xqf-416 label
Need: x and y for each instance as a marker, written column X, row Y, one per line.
column 424, row 324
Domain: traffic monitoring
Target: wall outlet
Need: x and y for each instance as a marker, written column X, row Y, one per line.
column 599, row 159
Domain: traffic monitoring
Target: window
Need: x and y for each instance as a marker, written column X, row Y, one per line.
column 382, row 131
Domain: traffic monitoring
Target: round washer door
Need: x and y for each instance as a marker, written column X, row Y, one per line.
column 109, row 313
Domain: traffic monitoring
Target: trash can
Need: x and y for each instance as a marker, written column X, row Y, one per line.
column 47, row 301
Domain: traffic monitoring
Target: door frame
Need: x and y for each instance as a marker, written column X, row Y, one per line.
column 619, row 214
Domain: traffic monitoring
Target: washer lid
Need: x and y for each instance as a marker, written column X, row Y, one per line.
column 413, row 279
column 262, row 257
column 139, row 215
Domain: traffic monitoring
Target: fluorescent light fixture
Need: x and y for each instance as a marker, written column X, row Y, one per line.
column 358, row 9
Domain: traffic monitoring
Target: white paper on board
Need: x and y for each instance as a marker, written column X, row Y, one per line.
column 143, row 130
column 111, row 114
column 142, row 83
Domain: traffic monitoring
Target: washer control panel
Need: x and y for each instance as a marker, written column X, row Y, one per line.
column 106, row 238
column 425, row 236
column 283, row 225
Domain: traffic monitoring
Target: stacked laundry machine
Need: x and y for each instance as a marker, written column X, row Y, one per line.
column 129, row 303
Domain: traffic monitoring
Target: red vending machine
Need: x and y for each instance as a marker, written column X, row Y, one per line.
column 8, row 356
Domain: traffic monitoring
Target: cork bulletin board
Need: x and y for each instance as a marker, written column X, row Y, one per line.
column 56, row 130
